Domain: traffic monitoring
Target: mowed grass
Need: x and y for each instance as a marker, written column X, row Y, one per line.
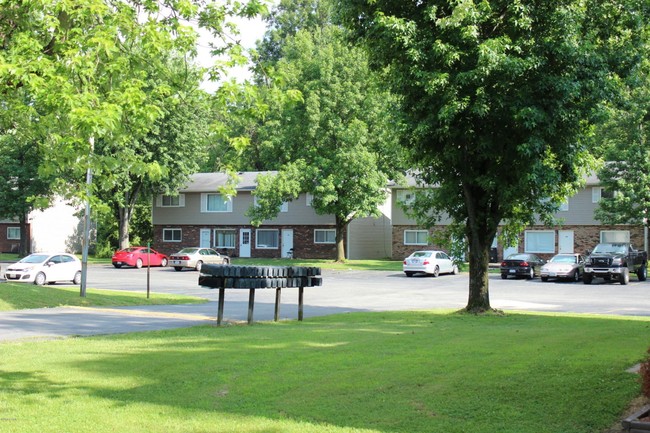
column 410, row 372
column 20, row 296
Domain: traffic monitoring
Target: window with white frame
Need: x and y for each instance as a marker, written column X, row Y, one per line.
column 324, row 236
column 267, row 239
column 225, row 238
column 598, row 193
column 309, row 197
column 171, row 200
column 405, row 196
column 214, row 202
column 13, row 233
column 284, row 207
column 416, row 237
column 564, row 207
column 539, row 241
column 172, row 235
column 611, row 236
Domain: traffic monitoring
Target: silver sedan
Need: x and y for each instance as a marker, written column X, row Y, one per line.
column 566, row 266
column 195, row 258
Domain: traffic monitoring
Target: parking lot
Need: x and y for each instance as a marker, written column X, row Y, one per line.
column 345, row 291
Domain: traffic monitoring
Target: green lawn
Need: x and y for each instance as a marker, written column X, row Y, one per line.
column 20, row 296
column 410, row 372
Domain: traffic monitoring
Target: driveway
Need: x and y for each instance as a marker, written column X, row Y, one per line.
column 342, row 291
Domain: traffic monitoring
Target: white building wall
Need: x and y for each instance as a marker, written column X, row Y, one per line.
column 56, row 229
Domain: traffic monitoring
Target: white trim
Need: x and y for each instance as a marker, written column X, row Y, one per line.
column 172, row 230
column 539, row 250
column 160, row 200
column 204, row 202
column 418, row 232
column 266, row 247
column 325, row 231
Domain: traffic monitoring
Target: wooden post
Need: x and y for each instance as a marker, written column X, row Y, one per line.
column 222, row 292
column 251, row 302
column 277, row 304
column 301, row 291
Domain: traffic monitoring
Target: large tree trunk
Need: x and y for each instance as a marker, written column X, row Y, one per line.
column 123, row 227
column 24, row 248
column 481, row 228
column 341, row 224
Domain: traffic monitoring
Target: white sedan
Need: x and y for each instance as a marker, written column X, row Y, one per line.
column 429, row 262
column 41, row 268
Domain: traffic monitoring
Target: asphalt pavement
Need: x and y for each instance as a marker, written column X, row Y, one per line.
column 342, row 292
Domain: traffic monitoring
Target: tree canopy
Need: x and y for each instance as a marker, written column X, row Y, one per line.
column 498, row 97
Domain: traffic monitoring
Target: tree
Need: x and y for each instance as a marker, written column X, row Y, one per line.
column 498, row 97
column 626, row 173
column 339, row 142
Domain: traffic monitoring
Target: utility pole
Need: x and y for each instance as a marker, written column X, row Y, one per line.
column 86, row 236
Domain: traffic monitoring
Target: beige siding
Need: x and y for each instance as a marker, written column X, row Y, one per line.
column 371, row 238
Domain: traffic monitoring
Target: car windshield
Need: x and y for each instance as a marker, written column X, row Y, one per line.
column 611, row 248
column 34, row 258
column 188, row 251
column 518, row 257
column 421, row 254
column 564, row 259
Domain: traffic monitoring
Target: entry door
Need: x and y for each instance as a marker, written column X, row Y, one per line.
column 205, row 238
column 287, row 242
column 245, row 243
column 565, row 241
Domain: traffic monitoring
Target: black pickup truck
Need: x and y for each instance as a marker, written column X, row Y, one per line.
column 615, row 261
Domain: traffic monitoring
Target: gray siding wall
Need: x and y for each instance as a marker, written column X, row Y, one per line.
column 369, row 238
column 298, row 213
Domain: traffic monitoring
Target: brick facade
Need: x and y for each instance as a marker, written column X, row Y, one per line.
column 10, row 245
column 304, row 246
column 585, row 238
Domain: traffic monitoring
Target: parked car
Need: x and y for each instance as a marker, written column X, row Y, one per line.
column 41, row 268
column 429, row 262
column 138, row 257
column 563, row 266
column 195, row 258
column 521, row 265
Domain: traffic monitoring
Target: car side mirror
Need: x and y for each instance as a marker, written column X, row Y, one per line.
column 50, row 263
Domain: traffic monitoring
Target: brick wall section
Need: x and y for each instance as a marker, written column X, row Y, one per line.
column 584, row 237
column 9, row 245
column 303, row 241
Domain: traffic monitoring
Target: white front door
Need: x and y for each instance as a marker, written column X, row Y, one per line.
column 205, row 238
column 245, row 243
column 565, row 241
column 287, row 243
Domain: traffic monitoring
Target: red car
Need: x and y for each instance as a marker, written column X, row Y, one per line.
column 138, row 257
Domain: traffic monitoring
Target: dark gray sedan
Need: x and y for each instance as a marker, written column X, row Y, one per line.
column 521, row 265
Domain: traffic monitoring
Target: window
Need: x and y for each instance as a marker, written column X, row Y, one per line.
column 405, row 196
column 284, row 207
column 598, row 193
column 172, row 235
column 267, row 239
column 309, row 198
column 225, row 238
column 171, row 200
column 13, row 233
column 540, row 241
column 324, row 236
column 611, row 236
column 564, row 207
column 213, row 202
column 416, row 237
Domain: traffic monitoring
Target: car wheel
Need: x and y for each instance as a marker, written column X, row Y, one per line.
column 624, row 278
column 164, row 263
column 40, row 279
column 77, row 278
column 199, row 265
column 138, row 263
column 576, row 276
column 587, row 278
column 455, row 270
column 504, row 276
column 178, row 268
column 544, row 279
column 409, row 274
column 436, row 271
column 226, row 262
column 531, row 274
column 642, row 273
column 117, row 266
